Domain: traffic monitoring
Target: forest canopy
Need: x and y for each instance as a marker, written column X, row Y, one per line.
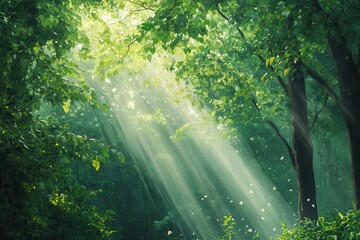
column 179, row 119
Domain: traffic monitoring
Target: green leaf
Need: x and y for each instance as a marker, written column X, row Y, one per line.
column 105, row 107
column 96, row 164
column 187, row 50
column 66, row 105
column 269, row 61
column 106, row 153
column 122, row 158
column 286, row 71
column 149, row 57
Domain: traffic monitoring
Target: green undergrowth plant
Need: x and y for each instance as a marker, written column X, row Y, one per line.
column 344, row 226
column 228, row 226
column 231, row 230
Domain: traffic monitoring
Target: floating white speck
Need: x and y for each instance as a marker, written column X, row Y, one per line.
column 274, row 188
column 169, row 232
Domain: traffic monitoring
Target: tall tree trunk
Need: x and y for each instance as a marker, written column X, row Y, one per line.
column 303, row 148
column 353, row 128
column 349, row 85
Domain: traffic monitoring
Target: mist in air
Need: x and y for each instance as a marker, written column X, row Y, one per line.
column 199, row 175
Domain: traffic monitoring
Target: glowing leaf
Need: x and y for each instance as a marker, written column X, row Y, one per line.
column 269, row 61
column 286, row 71
column 66, row 105
column 96, row 164
column 36, row 48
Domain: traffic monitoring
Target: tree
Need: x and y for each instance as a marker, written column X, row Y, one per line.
column 38, row 190
column 196, row 17
column 340, row 29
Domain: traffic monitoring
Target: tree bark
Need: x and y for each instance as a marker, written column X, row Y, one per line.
column 303, row 148
column 349, row 85
column 354, row 140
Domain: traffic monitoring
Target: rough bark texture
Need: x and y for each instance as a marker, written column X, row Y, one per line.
column 303, row 149
column 349, row 84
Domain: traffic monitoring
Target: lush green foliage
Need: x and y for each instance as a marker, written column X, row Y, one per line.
column 63, row 179
column 343, row 226
column 241, row 57
column 39, row 196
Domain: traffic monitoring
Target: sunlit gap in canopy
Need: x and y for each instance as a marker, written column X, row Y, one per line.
column 200, row 176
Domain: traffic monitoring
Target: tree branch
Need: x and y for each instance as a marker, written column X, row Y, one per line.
column 253, row 100
column 318, row 112
column 128, row 46
column 129, row 15
column 274, row 127
column 279, row 78
column 142, row 5
column 228, row 19
column 323, row 83
column 287, row 145
column 329, row 90
column 318, row 9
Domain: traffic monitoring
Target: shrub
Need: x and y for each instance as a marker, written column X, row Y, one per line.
column 343, row 226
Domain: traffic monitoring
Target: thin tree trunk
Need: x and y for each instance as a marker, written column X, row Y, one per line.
column 303, row 148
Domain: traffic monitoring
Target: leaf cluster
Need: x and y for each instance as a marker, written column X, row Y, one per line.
column 38, row 188
column 342, row 226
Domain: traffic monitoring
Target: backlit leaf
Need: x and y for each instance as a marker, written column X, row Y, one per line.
column 269, row 61
column 66, row 105
column 96, row 164
column 286, row 71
